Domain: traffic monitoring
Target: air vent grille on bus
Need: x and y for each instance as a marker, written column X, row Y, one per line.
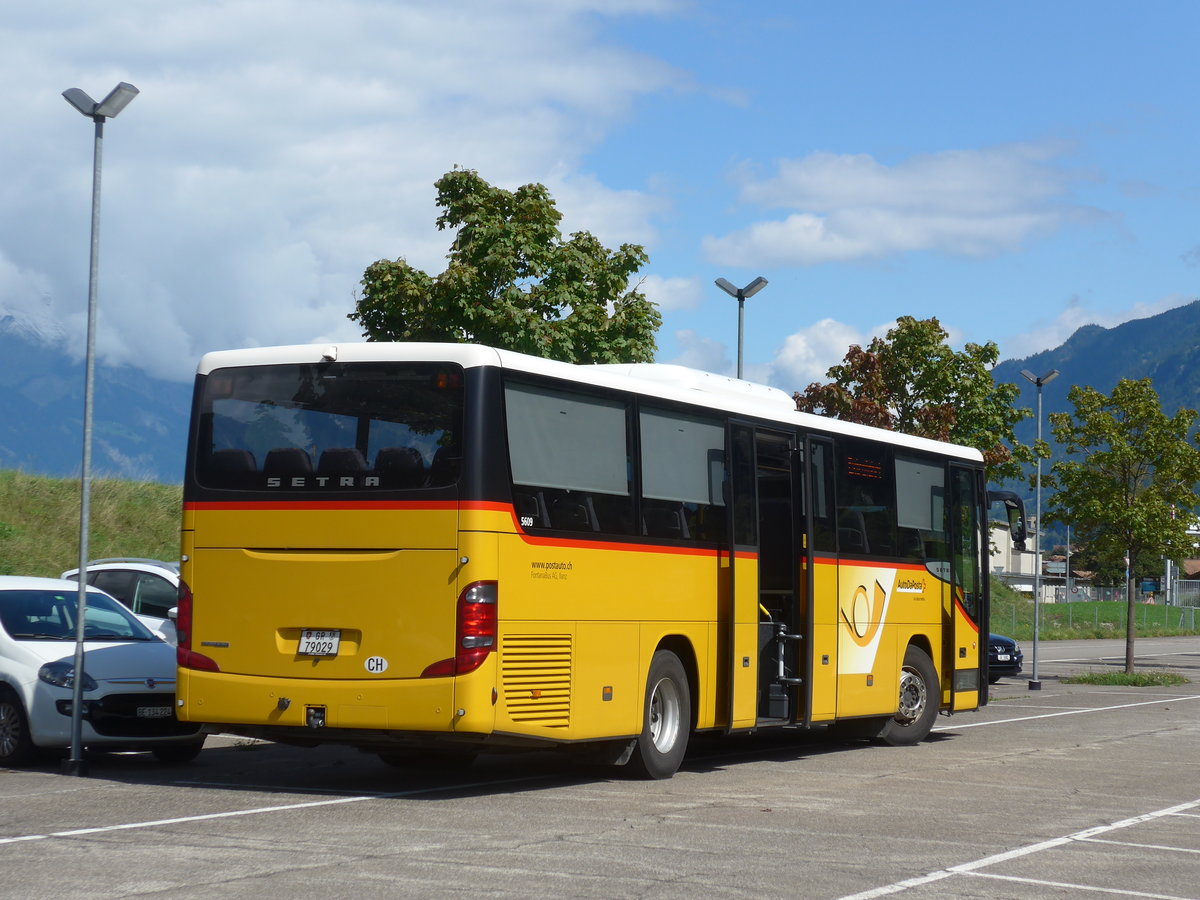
column 536, row 674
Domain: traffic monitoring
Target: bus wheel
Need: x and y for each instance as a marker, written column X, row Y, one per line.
column 666, row 720
column 920, row 696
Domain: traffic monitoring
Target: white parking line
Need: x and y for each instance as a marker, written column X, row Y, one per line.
column 1120, row 658
column 972, row 868
column 1041, row 706
column 1142, row 846
column 154, row 823
column 1090, row 888
column 1070, row 712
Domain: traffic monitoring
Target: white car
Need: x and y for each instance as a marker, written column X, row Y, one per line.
column 128, row 676
column 149, row 587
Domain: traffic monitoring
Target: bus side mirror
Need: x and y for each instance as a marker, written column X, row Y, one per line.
column 1014, row 508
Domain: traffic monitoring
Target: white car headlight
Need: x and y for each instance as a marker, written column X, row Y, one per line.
column 62, row 674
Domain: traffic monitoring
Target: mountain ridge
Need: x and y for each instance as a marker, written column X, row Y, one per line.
column 1164, row 347
column 138, row 422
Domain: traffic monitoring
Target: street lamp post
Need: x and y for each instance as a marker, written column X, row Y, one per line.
column 742, row 294
column 117, row 99
column 1034, row 683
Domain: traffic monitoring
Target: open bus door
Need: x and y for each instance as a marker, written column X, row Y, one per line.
column 969, row 595
column 767, row 624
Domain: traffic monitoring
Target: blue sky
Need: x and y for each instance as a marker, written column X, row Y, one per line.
column 1015, row 169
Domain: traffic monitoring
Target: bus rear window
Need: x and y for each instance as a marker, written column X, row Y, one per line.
column 330, row 427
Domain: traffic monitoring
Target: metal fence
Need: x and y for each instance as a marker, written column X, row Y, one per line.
column 1184, row 594
column 1017, row 620
column 1054, row 590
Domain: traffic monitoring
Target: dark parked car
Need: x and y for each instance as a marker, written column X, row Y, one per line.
column 1004, row 657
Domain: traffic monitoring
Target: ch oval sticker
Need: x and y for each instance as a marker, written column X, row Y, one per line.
column 375, row 664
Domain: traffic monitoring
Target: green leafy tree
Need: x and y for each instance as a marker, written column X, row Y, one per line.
column 911, row 380
column 1133, row 492
column 513, row 282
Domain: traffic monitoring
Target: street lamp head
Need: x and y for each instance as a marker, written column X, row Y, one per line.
column 81, row 101
column 1039, row 381
column 118, row 98
column 754, row 287
column 742, row 293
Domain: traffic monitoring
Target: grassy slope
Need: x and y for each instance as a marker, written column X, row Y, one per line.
column 39, row 522
column 1012, row 614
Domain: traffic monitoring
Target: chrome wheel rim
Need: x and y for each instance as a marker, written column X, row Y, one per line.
column 913, row 696
column 666, row 715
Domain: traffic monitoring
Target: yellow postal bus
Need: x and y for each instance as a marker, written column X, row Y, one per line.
column 428, row 548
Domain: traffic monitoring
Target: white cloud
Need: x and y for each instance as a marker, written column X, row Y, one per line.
column 614, row 216
column 806, row 355
column 702, row 353
column 24, row 303
column 963, row 202
column 278, row 147
column 1048, row 333
column 671, row 293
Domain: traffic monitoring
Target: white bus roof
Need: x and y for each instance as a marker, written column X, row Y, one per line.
column 668, row 382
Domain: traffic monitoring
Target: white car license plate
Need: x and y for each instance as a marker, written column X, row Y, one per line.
column 1002, row 657
column 319, row 643
column 154, row 712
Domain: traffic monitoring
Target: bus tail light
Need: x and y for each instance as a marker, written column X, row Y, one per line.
column 475, row 633
column 185, row 656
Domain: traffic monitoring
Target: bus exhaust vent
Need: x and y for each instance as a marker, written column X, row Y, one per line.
column 536, row 673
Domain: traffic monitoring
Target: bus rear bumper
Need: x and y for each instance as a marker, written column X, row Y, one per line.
column 253, row 706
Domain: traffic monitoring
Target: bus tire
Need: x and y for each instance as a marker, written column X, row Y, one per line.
column 920, row 697
column 666, row 719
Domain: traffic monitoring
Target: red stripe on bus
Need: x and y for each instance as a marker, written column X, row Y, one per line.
column 477, row 505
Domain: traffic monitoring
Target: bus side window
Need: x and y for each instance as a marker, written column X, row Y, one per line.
column 866, row 498
column 683, row 472
column 824, row 525
column 571, row 449
column 920, row 513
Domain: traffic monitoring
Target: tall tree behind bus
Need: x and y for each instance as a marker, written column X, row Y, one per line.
column 911, row 380
column 513, row 282
column 1133, row 492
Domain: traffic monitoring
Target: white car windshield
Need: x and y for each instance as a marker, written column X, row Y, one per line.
column 50, row 615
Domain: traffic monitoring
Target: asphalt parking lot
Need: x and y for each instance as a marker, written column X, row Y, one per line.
column 1070, row 791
